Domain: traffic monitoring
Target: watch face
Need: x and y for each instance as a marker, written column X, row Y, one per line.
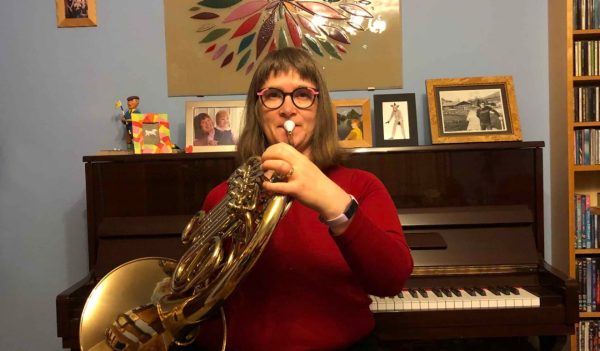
column 351, row 208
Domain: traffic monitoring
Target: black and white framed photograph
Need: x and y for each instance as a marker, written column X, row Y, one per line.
column 477, row 109
column 395, row 120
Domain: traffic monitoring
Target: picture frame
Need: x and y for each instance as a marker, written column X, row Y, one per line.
column 353, row 114
column 395, row 120
column 473, row 109
column 75, row 13
column 151, row 133
column 215, row 134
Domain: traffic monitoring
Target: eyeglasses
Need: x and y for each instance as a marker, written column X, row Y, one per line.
column 301, row 97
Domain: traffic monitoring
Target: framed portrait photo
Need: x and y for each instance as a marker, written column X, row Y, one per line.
column 213, row 126
column 75, row 13
column 395, row 119
column 353, row 118
column 477, row 109
column 151, row 133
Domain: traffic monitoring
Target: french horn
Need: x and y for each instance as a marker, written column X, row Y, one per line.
column 154, row 303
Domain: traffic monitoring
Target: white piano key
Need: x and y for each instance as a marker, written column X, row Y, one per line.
column 389, row 303
column 466, row 301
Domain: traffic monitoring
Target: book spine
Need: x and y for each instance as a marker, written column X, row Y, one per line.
column 588, row 285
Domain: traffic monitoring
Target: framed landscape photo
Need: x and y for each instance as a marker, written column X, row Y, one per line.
column 75, row 13
column 477, row 109
column 395, row 119
column 213, row 126
column 353, row 118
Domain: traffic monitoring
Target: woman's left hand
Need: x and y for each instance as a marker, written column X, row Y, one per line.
column 305, row 181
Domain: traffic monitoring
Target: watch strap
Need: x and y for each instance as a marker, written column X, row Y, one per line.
column 345, row 216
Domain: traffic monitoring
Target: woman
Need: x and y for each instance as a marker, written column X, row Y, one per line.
column 473, row 121
column 309, row 289
column 204, row 130
column 356, row 132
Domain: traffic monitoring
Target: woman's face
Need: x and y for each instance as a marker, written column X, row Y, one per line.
column 207, row 125
column 273, row 119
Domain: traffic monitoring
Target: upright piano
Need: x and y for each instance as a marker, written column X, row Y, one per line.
column 472, row 214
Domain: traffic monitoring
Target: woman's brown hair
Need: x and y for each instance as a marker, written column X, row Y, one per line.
column 324, row 146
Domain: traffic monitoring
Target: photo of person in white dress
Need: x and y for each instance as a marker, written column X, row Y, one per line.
column 473, row 120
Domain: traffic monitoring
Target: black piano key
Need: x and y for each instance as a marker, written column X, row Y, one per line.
column 504, row 290
column 401, row 295
column 479, row 290
column 470, row 291
column 494, row 290
column 456, row 292
column 447, row 292
column 413, row 293
column 423, row 292
column 437, row 292
column 513, row 290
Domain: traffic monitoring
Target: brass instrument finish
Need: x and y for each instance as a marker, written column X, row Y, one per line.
column 225, row 243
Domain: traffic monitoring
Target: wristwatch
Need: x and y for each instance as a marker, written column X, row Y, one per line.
column 344, row 217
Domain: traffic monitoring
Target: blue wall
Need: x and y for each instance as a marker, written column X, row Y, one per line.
column 57, row 94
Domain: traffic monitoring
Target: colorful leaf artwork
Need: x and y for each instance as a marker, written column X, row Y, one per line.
column 320, row 9
column 246, row 42
column 211, row 48
column 205, row 16
column 265, row 33
column 245, row 10
column 247, row 26
column 227, row 59
column 336, row 33
column 218, row 4
column 356, row 10
column 319, row 26
column 243, row 60
column 294, row 30
column 220, row 51
column 331, row 50
column 214, row 35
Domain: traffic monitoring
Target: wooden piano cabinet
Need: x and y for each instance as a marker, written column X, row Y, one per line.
column 137, row 206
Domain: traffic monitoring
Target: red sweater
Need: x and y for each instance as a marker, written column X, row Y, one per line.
column 309, row 290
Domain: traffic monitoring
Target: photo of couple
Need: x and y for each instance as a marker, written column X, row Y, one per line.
column 472, row 111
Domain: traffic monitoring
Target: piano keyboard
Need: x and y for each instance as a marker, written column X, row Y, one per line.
column 455, row 299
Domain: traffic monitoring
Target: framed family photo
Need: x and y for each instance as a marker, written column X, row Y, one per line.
column 477, row 109
column 353, row 118
column 75, row 13
column 395, row 119
column 213, row 126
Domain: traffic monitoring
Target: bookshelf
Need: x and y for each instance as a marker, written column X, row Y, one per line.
column 574, row 81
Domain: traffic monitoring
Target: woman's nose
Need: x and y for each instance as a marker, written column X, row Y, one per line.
column 287, row 109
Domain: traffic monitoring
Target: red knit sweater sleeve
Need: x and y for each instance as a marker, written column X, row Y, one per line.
column 214, row 196
column 374, row 245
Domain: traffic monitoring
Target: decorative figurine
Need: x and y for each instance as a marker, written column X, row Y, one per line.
column 132, row 107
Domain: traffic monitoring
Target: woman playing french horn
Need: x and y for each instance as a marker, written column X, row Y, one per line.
column 340, row 241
